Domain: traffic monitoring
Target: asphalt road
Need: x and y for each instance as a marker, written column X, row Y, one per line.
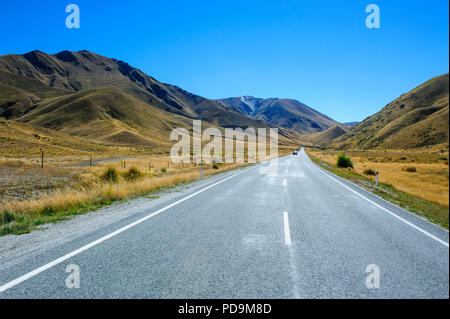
column 293, row 232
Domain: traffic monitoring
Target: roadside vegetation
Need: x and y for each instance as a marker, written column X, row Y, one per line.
column 31, row 196
column 425, row 195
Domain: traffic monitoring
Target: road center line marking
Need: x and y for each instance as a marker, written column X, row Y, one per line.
column 287, row 231
column 386, row 210
column 106, row 237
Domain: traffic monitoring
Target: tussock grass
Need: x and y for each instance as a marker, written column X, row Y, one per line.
column 344, row 161
column 132, row 174
column 369, row 171
column 110, row 176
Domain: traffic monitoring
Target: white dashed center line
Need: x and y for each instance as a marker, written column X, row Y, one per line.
column 287, row 231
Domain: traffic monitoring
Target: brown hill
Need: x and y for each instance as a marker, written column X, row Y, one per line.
column 105, row 115
column 325, row 137
column 416, row 119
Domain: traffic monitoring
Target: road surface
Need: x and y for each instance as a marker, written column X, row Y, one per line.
column 295, row 232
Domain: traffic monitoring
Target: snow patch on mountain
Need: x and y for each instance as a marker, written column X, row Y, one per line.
column 249, row 101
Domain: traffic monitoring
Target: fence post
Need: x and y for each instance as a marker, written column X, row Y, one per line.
column 90, row 161
column 42, row 159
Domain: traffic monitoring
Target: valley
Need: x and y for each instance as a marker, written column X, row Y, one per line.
column 78, row 107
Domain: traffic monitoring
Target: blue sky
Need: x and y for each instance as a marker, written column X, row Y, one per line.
column 318, row 52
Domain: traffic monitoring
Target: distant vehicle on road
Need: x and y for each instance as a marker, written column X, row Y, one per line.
column 295, row 153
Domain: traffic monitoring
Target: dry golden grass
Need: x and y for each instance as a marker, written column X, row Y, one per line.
column 25, row 180
column 30, row 195
column 62, row 200
column 86, row 186
column 430, row 182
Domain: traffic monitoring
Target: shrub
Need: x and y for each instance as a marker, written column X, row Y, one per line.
column 14, row 228
column 369, row 171
column 132, row 174
column 344, row 161
column 411, row 169
column 163, row 170
column 6, row 217
column 111, row 176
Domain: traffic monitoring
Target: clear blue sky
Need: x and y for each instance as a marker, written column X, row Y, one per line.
column 318, row 52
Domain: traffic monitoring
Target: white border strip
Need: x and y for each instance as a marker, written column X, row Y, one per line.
column 106, row 237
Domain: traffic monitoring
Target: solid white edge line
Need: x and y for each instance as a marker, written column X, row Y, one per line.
column 386, row 210
column 287, row 231
column 106, row 237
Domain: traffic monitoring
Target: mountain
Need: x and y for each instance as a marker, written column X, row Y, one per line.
column 105, row 101
column 76, row 71
column 415, row 119
column 105, row 115
column 286, row 113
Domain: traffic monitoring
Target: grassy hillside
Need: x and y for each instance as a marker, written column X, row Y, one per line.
column 78, row 71
column 106, row 115
column 19, row 93
column 25, row 140
column 325, row 137
column 416, row 119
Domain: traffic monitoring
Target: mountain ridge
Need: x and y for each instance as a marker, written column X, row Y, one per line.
column 120, row 103
column 107, row 101
column 287, row 113
column 68, row 71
